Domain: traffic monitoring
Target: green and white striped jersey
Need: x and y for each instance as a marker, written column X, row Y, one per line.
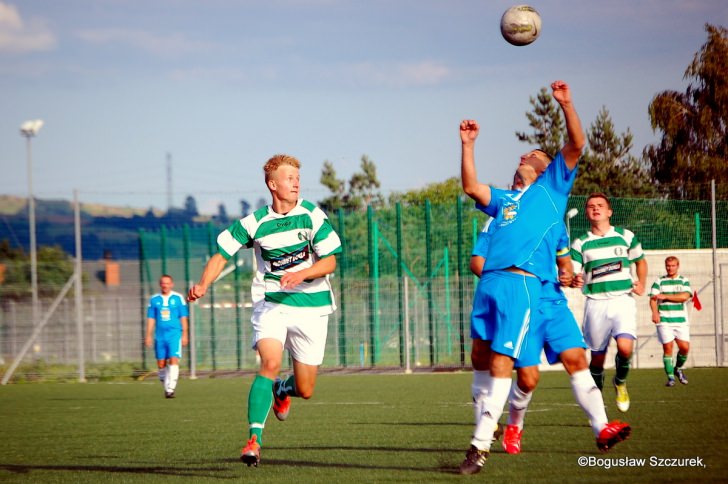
column 672, row 312
column 606, row 261
column 285, row 243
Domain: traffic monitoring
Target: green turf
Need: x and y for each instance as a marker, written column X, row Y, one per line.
column 357, row 428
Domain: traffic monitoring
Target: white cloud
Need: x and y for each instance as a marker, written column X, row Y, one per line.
column 156, row 44
column 18, row 36
column 395, row 74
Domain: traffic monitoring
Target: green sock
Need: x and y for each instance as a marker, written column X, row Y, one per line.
column 622, row 365
column 681, row 359
column 598, row 375
column 286, row 387
column 260, row 400
column 667, row 363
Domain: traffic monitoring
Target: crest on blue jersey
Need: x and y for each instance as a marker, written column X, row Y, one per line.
column 509, row 212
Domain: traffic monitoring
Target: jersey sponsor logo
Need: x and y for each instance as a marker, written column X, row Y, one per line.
column 289, row 260
column 165, row 314
column 606, row 269
column 618, row 251
column 281, row 225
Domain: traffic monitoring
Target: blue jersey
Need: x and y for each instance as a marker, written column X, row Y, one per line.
column 483, row 241
column 529, row 222
column 167, row 311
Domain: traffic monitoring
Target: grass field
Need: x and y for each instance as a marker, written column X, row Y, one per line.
column 357, row 428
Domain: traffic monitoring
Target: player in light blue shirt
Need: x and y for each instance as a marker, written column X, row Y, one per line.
column 167, row 327
column 556, row 331
column 520, row 259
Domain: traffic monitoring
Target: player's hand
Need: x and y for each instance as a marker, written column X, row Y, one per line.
column 561, row 92
column 148, row 341
column 185, row 339
column 291, row 279
column 566, row 278
column 655, row 318
column 638, row 288
column 469, row 130
column 578, row 281
column 196, row 292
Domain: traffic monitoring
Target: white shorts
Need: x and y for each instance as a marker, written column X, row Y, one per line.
column 667, row 332
column 608, row 318
column 302, row 334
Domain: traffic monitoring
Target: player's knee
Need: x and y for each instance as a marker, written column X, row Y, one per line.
column 270, row 367
column 305, row 392
column 574, row 360
column 528, row 383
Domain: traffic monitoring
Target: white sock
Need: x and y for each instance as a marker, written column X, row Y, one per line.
column 589, row 398
column 479, row 390
column 163, row 376
column 173, row 375
column 492, row 411
column 519, row 401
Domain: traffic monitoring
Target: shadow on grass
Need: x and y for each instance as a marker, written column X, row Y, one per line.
column 209, row 472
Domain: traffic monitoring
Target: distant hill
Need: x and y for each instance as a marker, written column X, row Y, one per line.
column 105, row 230
column 13, row 205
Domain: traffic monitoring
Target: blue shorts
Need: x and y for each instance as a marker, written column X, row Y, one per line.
column 480, row 328
column 561, row 331
column 502, row 314
column 555, row 328
column 168, row 344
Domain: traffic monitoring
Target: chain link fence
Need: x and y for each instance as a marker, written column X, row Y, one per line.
column 402, row 285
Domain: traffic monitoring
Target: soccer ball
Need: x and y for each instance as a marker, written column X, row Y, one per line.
column 520, row 25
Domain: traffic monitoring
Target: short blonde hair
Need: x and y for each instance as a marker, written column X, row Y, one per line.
column 278, row 160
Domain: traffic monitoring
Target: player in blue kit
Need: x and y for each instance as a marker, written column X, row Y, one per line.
column 167, row 327
column 558, row 333
column 520, row 257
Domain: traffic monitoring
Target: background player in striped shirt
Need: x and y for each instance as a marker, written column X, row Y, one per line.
column 294, row 245
column 603, row 257
column 167, row 327
column 669, row 298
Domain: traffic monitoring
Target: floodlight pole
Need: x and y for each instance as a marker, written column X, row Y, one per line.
column 28, row 132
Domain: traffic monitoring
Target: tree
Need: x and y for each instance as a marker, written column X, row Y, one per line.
column 336, row 187
column 54, row 268
column 694, row 125
column 244, row 208
column 363, row 187
column 607, row 165
column 549, row 129
column 441, row 192
column 191, row 206
column 222, row 215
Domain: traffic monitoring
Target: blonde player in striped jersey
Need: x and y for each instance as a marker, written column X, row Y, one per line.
column 669, row 298
column 603, row 257
column 295, row 247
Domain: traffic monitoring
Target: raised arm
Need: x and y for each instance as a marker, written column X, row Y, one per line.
column 577, row 140
column 479, row 192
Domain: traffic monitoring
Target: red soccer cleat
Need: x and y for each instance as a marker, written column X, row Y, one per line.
column 612, row 434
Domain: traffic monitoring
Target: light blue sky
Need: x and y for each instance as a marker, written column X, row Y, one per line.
column 224, row 84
